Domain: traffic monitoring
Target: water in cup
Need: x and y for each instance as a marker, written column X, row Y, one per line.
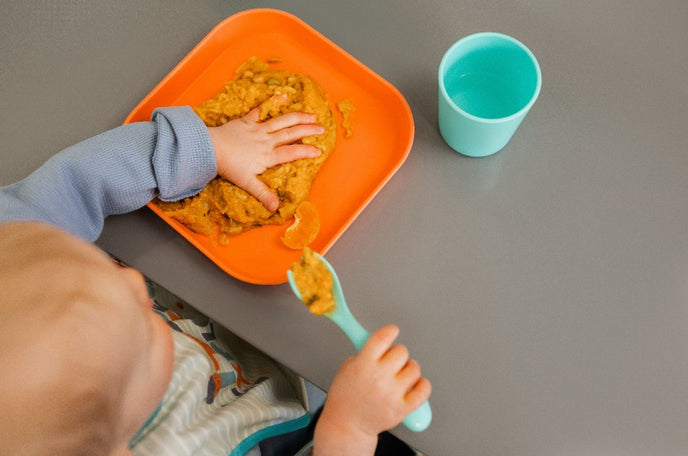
column 494, row 91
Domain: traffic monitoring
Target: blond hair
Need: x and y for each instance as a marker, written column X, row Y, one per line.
column 58, row 392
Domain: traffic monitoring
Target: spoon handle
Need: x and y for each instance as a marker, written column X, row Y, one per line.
column 420, row 418
column 351, row 327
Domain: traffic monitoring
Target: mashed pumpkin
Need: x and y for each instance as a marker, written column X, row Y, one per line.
column 314, row 282
column 222, row 209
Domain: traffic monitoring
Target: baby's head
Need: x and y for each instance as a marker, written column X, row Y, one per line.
column 83, row 361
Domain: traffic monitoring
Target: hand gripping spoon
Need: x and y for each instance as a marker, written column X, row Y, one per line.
column 419, row 419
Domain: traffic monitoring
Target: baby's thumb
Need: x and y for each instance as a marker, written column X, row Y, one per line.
column 262, row 193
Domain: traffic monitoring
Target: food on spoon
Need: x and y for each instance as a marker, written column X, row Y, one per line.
column 305, row 228
column 223, row 209
column 314, row 282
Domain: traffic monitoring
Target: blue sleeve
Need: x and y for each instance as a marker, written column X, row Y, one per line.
column 115, row 172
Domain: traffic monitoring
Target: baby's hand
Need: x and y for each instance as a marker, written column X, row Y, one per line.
column 372, row 392
column 246, row 147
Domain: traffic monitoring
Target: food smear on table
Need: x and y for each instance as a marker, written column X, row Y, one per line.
column 347, row 108
column 314, row 282
column 223, row 209
column 305, row 228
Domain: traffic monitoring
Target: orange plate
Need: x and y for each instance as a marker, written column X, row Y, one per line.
column 352, row 175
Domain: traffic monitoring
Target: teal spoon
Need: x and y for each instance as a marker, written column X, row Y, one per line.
column 419, row 419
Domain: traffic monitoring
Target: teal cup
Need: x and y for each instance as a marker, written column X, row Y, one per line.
column 487, row 84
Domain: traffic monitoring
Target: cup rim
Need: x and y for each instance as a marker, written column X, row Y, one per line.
column 523, row 47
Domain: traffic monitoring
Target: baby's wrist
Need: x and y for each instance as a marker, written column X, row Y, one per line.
column 336, row 436
column 216, row 141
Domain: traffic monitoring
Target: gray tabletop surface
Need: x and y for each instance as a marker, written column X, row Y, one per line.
column 544, row 289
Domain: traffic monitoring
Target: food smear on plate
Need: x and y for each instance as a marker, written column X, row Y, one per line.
column 223, row 209
column 314, row 282
column 347, row 108
column 305, row 228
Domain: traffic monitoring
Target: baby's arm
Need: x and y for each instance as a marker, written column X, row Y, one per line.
column 372, row 392
column 173, row 156
column 115, row 172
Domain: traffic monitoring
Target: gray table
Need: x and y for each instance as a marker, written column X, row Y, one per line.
column 544, row 289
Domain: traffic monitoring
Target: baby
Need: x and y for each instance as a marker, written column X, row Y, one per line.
column 87, row 365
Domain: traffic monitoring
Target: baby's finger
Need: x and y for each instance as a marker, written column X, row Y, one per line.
column 409, row 374
column 262, row 193
column 292, row 134
column 379, row 342
column 419, row 393
column 284, row 154
column 289, row 120
column 395, row 358
column 253, row 115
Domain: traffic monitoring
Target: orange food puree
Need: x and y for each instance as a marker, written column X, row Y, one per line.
column 223, row 209
column 347, row 108
column 314, row 282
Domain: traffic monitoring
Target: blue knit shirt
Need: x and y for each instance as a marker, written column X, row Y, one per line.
column 115, row 172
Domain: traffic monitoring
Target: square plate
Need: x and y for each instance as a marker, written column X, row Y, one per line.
column 356, row 170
